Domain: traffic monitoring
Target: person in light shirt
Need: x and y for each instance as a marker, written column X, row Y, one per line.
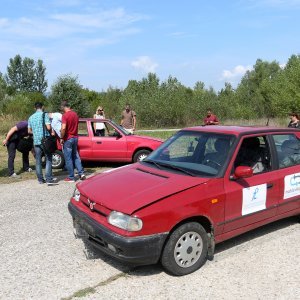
column 99, row 127
column 55, row 119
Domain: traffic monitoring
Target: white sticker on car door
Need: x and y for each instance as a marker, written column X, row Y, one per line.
column 254, row 198
column 291, row 185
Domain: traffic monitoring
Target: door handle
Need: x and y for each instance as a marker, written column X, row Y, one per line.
column 99, row 142
column 269, row 185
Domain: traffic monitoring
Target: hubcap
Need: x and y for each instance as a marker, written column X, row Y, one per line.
column 142, row 156
column 56, row 160
column 188, row 249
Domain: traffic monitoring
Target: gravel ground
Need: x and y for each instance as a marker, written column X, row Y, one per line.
column 41, row 259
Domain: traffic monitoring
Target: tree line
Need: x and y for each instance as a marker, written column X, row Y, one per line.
column 268, row 90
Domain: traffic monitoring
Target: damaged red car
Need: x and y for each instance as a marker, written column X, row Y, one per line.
column 202, row 186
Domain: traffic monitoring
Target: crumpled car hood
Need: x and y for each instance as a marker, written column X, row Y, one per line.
column 129, row 188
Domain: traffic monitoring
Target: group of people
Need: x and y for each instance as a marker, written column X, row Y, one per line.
column 128, row 120
column 65, row 128
column 40, row 125
column 212, row 119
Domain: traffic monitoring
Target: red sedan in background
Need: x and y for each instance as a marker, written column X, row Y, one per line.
column 116, row 145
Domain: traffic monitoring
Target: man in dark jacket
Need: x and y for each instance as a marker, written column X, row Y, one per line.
column 11, row 141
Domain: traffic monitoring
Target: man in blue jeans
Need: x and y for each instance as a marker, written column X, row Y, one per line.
column 69, row 140
column 37, row 125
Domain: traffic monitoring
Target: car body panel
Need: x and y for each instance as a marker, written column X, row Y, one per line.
column 120, row 148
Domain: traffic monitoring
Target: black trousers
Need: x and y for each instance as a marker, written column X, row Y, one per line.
column 100, row 132
column 11, row 149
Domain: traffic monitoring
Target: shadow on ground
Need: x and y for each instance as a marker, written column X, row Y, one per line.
column 92, row 252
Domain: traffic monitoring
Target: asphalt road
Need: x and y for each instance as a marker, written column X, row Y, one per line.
column 41, row 259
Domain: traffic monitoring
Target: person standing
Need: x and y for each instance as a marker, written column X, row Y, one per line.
column 11, row 141
column 69, row 141
column 99, row 127
column 55, row 122
column 210, row 118
column 128, row 120
column 295, row 122
column 36, row 125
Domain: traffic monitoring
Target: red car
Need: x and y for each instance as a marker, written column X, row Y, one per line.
column 202, row 186
column 116, row 144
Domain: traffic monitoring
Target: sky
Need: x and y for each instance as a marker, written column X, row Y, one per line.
column 107, row 43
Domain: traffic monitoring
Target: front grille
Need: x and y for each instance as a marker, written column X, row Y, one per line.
column 97, row 208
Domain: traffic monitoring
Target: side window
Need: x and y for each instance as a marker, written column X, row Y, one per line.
column 110, row 130
column 255, row 153
column 288, row 150
column 82, row 129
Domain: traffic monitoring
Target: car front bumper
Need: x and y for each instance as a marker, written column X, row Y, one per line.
column 144, row 250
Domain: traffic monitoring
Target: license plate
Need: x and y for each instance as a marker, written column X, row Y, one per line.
column 82, row 229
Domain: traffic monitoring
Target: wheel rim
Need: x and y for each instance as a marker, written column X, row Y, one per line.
column 188, row 249
column 142, row 156
column 56, row 160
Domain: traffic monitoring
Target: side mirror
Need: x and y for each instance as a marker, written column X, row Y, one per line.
column 243, row 172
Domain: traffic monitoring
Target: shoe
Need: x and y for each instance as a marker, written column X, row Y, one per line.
column 52, row 182
column 15, row 176
column 42, row 182
column 29, row 170
column 82, row 177
column 69, row 180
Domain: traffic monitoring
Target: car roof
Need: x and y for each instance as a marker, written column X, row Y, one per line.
column 240, row 130
column 93, row 119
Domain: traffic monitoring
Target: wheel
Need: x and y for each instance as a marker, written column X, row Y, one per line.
column 140, row 155
column 58, row 160
column 186, row 249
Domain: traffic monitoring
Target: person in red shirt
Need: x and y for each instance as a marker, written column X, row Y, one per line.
column 210, row 118
column 69, row 140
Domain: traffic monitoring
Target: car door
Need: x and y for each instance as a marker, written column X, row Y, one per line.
column 110, row 147
column 253, row 199
column 84, row 140
column 288, row 153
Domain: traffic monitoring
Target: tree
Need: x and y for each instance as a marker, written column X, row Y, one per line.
column 14, row 73
column 67, row 87
column 25, row 75
column 2, row 88
column 41, row 83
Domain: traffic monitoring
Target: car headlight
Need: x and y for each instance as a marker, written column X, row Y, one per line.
column 125, row 222
column 76, row 195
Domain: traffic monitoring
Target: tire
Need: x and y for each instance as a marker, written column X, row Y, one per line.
column 140, row 155
column 185, row 250
column 58, row 160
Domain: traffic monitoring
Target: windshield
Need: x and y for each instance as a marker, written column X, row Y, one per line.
column 122, row 129
column 192, row 153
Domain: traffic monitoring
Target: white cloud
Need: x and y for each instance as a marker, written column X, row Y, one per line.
column 111, row 22
column 145, row 64
column 115, row 18
column 237, row 71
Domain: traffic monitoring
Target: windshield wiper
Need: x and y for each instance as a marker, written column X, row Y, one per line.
column 178, row 169
column 159, row 165
column 150, row 161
